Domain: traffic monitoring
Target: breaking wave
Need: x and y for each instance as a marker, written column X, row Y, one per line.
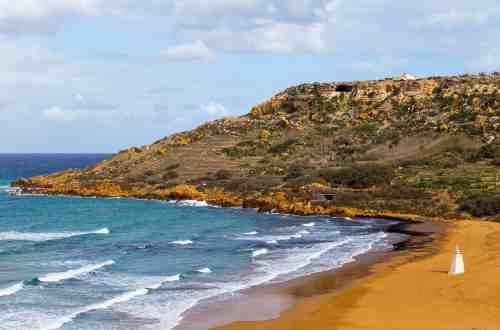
column 270, row 239
column 185, row 242
column 123, row 298
column 11, row 289
column 259, row 252
column 57, row 277
column 204, row 270
column 42, row 237
column 193, row 203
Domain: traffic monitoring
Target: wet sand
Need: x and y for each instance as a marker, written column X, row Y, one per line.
column 275, row 301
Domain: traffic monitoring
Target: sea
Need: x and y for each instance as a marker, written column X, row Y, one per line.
column 108, row 263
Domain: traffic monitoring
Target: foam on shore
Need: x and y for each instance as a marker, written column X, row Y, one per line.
column 193, row 203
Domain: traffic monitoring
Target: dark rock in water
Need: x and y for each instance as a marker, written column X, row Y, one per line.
column 33, row 282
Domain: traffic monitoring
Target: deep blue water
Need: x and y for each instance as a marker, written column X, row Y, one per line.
column 14, row 166
column 88, row 263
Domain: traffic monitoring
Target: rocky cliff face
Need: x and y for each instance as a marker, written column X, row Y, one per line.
column 428, row 146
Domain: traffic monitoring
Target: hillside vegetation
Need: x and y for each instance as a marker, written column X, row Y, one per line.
column 428, row 147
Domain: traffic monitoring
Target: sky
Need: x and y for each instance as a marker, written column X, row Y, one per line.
column 91, row 76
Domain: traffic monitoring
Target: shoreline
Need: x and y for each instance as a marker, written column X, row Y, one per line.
column 412, row 290
column 270, row 300
column 274, row 202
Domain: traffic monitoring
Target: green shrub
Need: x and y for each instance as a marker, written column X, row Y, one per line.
column 173, row 167
column 490, row 151
column 368, row 129
column 359, row 176
column 463, row 116
column 304, row 181
column 248, row 185
column 283, row 147
column 242, row 149
column 223, row 174
column 295, row 171
column 170, row 175
column 482, row 205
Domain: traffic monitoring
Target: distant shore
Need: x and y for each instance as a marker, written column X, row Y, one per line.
column 269, row 301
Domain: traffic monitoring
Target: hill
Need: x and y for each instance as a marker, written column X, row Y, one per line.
column 428, row 147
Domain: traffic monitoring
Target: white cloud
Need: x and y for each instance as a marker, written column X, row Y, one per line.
column 286, row 38
column 58, row 114
column 215, row 109
column 454, row 16
column 193, row 11
column 42, row 16
column 255, row 25
column 38, row 8
column 196, row 51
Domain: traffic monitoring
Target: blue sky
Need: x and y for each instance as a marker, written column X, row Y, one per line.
column 104, row 75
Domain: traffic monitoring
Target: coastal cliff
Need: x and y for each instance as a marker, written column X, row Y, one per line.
column 394, row 147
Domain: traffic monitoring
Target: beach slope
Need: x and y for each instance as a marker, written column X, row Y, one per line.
column 410, row 292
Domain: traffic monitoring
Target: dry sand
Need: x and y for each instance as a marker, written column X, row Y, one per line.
column 410, row 292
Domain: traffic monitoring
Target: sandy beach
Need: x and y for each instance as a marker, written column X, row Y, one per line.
column 410, row 290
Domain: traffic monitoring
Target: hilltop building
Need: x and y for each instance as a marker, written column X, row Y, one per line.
column 405, row 77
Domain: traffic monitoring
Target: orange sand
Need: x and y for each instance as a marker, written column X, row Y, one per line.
column 411, row 293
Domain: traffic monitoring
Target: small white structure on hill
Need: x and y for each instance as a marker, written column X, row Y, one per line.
column 457, row 263
column 405, row 77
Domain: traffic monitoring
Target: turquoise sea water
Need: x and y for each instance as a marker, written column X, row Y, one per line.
column 89, row 263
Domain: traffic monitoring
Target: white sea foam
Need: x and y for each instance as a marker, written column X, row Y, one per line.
column 204, row 270
column 8, row 291
column 9, row 189
column 310, row 224
column 185, row 242
column 96, row 306
column 130, row 282
column 259, row 252
column 57, row 277
column 289, row 262
column 193, row 203
column 165, row 279
column 169, row 308
column 178, row 302
column 272, row 242
column 304, row 232
column 292, row 260
column 41, row 237
column 251, row 233
column 123, row 298
column 270, row 238
column 103, row 231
